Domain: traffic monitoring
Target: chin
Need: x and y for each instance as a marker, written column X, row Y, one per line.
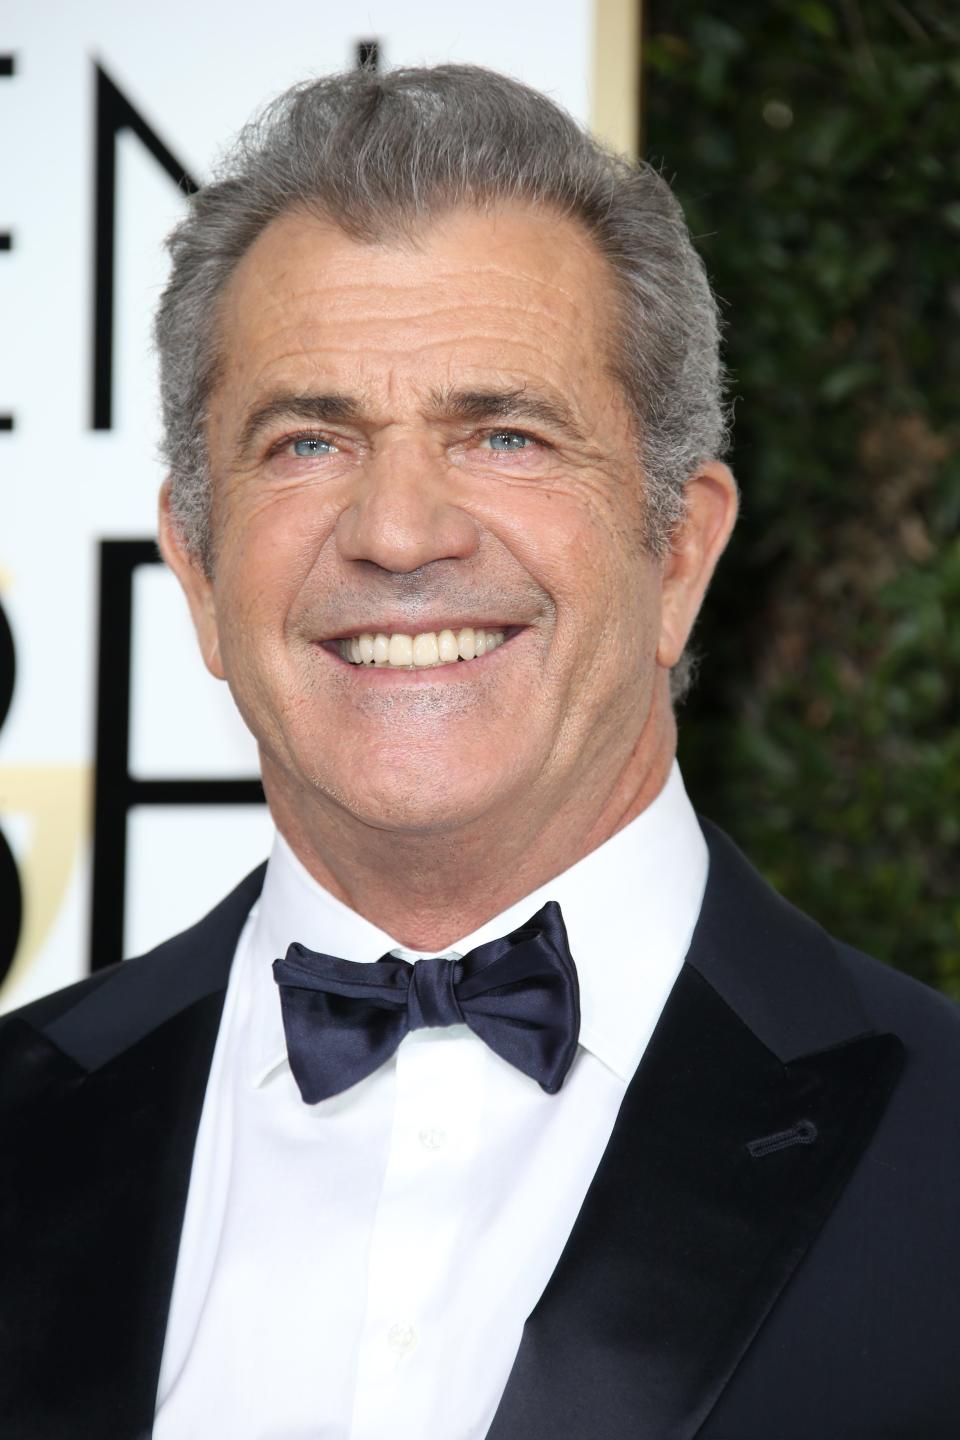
column 416, row 804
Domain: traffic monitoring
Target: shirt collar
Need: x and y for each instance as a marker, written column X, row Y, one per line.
column 630, row 908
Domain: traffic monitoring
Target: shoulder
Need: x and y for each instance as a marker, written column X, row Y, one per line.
column 800, row 988
column 113, row 1008
column 927, row 1022
column 44, row 1011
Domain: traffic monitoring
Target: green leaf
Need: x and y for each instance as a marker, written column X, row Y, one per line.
column 845, row 381
column 818, row 18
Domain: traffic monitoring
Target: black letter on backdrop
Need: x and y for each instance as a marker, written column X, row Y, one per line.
column 116, row 790
column 11, row 898
column 115, row 113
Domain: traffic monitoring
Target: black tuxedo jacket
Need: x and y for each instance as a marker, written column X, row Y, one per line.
column 770, row 1249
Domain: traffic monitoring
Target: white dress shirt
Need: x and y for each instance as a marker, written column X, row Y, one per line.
column 363, row 1267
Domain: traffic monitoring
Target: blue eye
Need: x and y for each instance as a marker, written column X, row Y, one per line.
column 311, row 445
column 507, row 440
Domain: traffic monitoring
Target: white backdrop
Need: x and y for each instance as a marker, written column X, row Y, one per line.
column 191, row 74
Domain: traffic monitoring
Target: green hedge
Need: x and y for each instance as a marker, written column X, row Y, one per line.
column 816, row 149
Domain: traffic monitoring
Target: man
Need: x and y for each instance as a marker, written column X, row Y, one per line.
column 610, row 1141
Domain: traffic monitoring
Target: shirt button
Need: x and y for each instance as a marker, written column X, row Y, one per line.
column 433, row 1139
column 401, row 1338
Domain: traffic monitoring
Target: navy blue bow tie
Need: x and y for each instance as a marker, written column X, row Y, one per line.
column 519, row 994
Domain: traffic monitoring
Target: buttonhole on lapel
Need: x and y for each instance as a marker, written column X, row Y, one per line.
column 803, row 1133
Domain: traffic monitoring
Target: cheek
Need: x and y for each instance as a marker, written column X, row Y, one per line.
column 608, row 599
column 284, row 516
column 267, row 548
column 255, row 592
column 585, row 551
column 617, row 574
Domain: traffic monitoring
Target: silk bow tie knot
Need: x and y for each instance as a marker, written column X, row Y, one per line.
column 432, row 996
column 519, row 994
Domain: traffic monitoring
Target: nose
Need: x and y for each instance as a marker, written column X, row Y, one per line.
column 403, row 515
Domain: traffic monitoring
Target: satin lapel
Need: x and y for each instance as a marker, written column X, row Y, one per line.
column 693, row 1225
column 99, row 1154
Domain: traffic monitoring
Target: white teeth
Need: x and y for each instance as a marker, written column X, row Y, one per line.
column 419, row 651
column 401, row 650
column 426, row 650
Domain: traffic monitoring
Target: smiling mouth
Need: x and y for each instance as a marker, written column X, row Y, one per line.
column 423, row 651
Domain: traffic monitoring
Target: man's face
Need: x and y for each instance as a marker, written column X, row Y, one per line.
column 411, row 439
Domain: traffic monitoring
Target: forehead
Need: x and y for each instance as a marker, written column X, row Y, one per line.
column 510, row 295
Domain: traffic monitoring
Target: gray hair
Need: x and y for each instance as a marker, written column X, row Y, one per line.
column 375, row 153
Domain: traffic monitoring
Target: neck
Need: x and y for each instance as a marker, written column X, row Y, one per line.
column 429, row 890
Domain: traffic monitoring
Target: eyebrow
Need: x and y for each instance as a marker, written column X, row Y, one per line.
column 289, row 405
column 520, row 403
column 478, row 406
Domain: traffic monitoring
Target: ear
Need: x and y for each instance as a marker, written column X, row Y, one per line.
column 698, row 542
column 196, row 584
